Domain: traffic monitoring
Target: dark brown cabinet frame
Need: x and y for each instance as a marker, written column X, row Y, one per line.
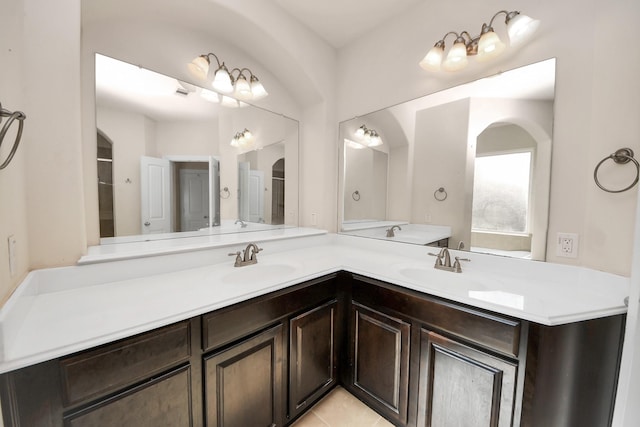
column 403, row 353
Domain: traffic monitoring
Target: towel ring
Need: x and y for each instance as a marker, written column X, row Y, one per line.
column 13, row 116
column 356, row 195
column 621, row 157
column 225, row 193
column 442, row 197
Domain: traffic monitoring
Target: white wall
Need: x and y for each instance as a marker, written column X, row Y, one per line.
column 596, row 105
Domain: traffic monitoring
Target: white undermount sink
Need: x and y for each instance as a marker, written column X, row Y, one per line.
column 428, row 274
column 255, row 272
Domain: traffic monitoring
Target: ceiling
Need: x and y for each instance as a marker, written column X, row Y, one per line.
column 339, row 22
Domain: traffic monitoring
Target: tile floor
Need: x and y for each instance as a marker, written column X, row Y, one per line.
column 340, row 409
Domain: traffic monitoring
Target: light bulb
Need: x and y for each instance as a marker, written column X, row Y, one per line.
column 247, row 133
column 489, row 45
column 521, row 28
column 199, row 67
column 243, row 90
column 433, row 59
column 360, row 131
column 457, row 57
column 222, row 80
column 257, row 90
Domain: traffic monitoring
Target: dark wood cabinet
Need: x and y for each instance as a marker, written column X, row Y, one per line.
column 313, row 355
column 416, row 359
column 243, row 384
column 379, row 359
column 463, row 386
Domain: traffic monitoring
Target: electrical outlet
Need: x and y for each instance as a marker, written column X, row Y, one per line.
column 314, row 219
column 12, row 242
column 567, row 245
column 427, row 218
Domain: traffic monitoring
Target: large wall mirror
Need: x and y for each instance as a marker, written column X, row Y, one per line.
column 176, row 160
column 469, row 164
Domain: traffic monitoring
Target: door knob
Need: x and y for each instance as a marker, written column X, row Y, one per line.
column 146, row 224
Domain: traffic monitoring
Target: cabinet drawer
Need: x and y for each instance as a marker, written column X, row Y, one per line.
column 112, row 367
column 501, row 334
column 229, row 324
column 164, row 402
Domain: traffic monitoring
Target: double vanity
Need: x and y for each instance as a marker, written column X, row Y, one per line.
column 188, row 339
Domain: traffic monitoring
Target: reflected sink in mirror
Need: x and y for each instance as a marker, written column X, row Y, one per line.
column 258, row 272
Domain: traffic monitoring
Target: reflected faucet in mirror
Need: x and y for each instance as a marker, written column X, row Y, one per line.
column 390, row 232
column 495, row 163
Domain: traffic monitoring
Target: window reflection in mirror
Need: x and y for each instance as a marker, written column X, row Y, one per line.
column 437, row 144
column 164, row 154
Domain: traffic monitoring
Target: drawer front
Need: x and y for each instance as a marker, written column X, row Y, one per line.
column 229, row 324
column 164, row 402
column 497, row 333
column 110, row 368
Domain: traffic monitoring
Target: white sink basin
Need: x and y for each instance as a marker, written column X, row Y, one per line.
column 258, row 272
column 428, row 274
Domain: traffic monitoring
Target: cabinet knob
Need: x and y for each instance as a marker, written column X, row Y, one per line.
column 146, row 224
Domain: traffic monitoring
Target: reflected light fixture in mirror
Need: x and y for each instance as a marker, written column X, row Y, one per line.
column 368, row 137
column 486, row 46
column 224, row 80
column 242, row 139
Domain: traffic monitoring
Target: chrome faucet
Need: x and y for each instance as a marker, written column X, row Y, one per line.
column 248, row 256
column 443, row 261
column 242, row 223
column 390, row 232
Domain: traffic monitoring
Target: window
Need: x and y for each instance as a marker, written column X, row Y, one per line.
column 501, row 192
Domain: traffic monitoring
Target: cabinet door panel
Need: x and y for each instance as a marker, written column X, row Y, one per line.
column 380, row 360
column 243, row 385
column 461, row 386
column 313, row 355
column 165, row 402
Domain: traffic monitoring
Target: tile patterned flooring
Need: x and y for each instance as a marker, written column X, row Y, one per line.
column 340, row 409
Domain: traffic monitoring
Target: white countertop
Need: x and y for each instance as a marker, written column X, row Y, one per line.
column 60, row 311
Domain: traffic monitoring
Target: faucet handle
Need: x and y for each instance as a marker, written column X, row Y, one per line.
column 256, row 249
column 238, row 258
column 438, row 257
column 456, row 264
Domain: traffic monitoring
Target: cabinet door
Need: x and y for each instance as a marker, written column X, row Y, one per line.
column 462, row 386
column 165, row 401
column 312, row 356
column 243, row 384
column 379, row 356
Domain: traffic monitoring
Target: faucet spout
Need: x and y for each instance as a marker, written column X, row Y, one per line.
column 390, row 232
column 242, row 223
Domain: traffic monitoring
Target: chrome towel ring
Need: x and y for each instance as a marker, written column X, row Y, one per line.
column 440, row 194
column 621, row 157
column 13, row 116
column 356, row 195
column 225, row 193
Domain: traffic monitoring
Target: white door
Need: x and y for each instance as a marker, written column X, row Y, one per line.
column 194, row 199
column 256, row 196
column 155, row 192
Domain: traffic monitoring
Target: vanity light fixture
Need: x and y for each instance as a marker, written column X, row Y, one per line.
column 369, row 136
column 487, row 45
column 242, row 139
column 225, row 82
